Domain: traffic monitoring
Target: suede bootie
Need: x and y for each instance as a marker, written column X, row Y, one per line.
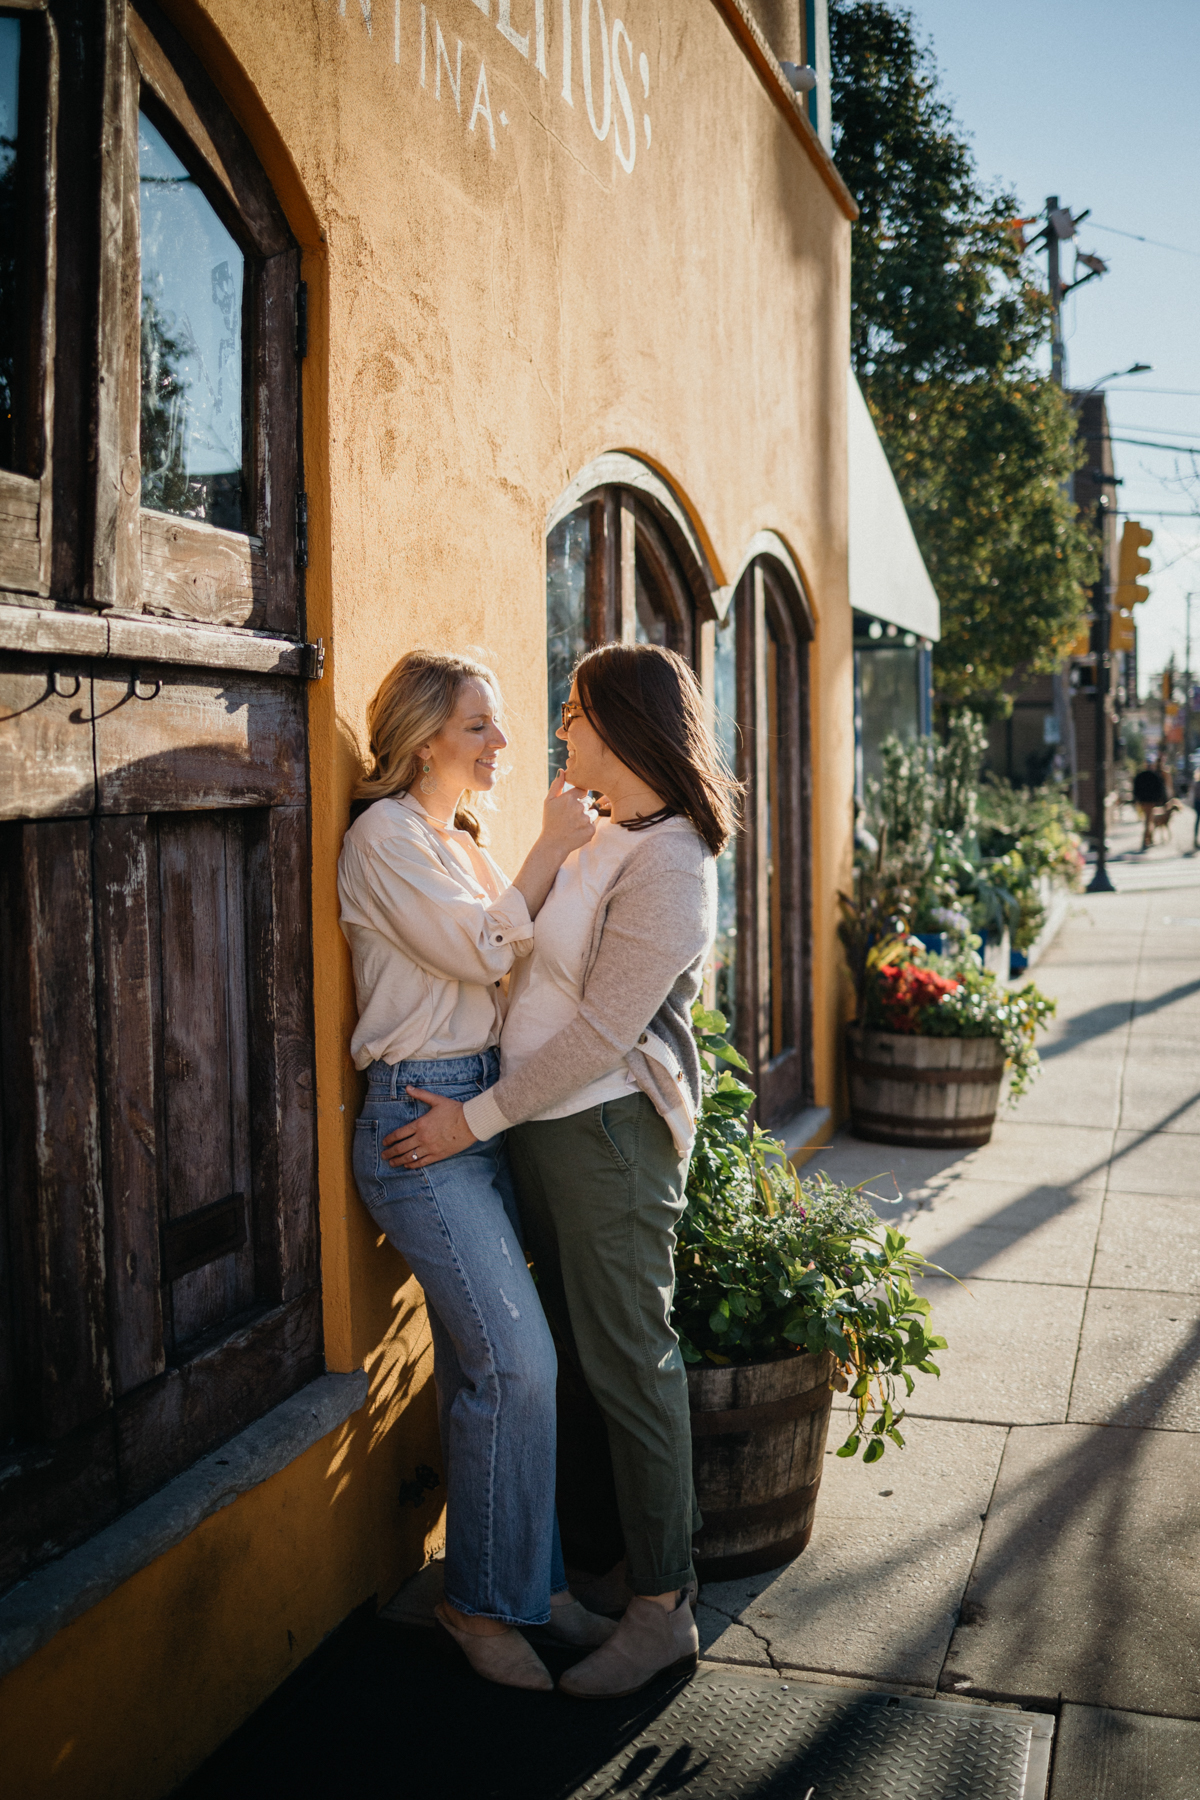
column 610, row 1593
column 508, row 1660
column 571, row 1623
column 648, row 1641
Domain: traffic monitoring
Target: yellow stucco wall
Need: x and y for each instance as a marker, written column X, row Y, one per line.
column 483, row 322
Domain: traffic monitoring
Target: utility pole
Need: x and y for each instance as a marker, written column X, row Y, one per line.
column 1100, row 882
column 1056, row 340
column 1063, row 708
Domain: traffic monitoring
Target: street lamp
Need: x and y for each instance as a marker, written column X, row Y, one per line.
column 1115, row 375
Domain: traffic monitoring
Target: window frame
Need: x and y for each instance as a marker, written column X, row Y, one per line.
column 766, row 595
column 28, row 496
column 143, row 560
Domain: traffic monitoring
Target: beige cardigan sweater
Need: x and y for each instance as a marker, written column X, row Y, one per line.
column 652, row 937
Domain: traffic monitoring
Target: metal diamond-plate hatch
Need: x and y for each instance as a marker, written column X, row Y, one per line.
column 733, row 1737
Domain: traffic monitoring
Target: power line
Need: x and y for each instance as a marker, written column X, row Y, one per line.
column 1183, row 393
column 1146, row 444
column 1139, row 239
column 1170, row 430
column 1155, row 512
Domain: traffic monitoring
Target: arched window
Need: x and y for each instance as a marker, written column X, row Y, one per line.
column 622, row 565
column 762, row 953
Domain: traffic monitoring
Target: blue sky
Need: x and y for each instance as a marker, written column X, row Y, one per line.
column 1097, row 102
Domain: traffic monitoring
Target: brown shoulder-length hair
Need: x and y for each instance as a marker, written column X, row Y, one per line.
column 647, row 706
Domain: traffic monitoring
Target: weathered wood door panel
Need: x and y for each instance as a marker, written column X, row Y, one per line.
column 46, row 768
column 283, row 1096
column 128, row 945
column 55, row 1224
column 175, row 740
column 204, row 1029
column 222, row 1387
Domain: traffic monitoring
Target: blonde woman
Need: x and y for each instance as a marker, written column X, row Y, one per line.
column 599, row 1092
column 434, row 926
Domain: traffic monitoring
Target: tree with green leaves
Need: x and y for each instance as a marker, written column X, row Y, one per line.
column 946, row 324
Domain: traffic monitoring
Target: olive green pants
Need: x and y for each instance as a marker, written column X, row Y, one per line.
column 600, row 1194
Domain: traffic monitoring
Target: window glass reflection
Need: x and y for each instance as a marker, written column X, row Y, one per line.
column 776, row 712
column 567, row 551
column 14, row 276
column 192, row 278
column 725, row 725
column 651, row 627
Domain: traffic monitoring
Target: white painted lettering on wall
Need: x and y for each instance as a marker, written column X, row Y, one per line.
column 606, row 61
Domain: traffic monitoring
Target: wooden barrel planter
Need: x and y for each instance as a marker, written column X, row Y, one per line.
column 758, row 1440
column 930, row 1093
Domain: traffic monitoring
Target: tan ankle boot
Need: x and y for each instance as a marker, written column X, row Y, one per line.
column 508, row 1660
column 648, row 1641
column 571, row 1623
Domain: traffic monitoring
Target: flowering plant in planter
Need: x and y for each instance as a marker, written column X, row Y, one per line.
column 769, row 1265
column 909, row 990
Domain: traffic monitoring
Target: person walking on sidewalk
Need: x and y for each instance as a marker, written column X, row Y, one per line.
column 434, row 927
column 599, row 1090
column 1149, row 793
column 1196, row 810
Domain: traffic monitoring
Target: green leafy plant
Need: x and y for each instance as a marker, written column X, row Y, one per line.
column 969, row 857
column 769, row 1265
column 976, row 1005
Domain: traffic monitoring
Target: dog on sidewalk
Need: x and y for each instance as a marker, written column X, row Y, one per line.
column 1162, row 819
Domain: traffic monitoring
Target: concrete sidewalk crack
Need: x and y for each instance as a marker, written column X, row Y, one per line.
column 737, row 1619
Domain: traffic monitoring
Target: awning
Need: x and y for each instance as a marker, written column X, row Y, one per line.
column 888, row 579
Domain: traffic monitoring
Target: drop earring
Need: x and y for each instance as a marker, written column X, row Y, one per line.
column 428, row 784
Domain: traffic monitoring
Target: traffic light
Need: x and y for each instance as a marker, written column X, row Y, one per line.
column 1130, row 564
column 1122, row 634
column 1168, row 685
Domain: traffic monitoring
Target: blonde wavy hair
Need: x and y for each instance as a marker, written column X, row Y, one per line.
column 414, row 701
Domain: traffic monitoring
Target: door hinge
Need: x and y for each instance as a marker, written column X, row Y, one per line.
column 314, row 660
column 302, row 320
column 302, row 531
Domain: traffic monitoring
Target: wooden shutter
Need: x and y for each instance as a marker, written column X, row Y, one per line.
column 158, row 1248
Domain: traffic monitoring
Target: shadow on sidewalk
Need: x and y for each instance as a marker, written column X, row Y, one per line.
column 380, row 1712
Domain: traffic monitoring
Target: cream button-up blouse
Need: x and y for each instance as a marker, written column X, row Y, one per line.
column 433, row 926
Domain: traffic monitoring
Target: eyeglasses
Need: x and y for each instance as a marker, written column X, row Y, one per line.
column 571, row 709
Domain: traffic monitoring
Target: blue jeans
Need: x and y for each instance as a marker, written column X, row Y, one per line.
column 455, row 1224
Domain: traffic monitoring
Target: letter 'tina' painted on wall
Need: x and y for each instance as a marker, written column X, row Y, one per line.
column 616, row 65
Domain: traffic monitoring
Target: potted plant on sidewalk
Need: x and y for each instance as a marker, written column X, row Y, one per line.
column 927, row 1052
column 786, row 1290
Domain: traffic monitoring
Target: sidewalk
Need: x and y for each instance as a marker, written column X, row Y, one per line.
column 1039, row 1539
column 1034, row 1551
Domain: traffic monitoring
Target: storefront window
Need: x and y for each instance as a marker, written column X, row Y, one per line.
column 725, row 720
column 191, row 338
column 762, row 948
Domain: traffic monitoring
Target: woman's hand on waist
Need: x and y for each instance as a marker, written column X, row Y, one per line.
column 441, row 1132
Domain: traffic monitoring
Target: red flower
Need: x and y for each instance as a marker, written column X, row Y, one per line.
column 906, row 991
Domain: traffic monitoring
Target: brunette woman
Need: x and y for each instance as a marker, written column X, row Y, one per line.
column 434, row 926
column 599, row 1090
